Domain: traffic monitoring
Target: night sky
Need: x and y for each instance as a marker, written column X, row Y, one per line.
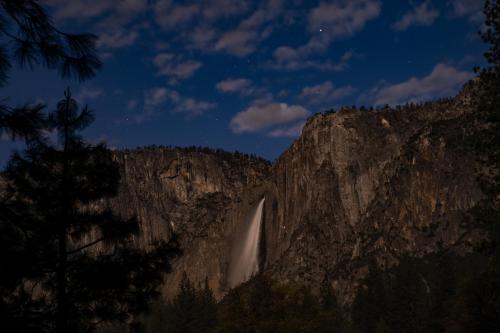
column 244, row 75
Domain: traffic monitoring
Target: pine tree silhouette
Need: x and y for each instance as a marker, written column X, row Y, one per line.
column 34, row 41
column 79, row 267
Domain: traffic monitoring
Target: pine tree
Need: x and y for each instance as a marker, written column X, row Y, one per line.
column 34, row 41
column 480, row 298
column 487, row 140
column 207, row 309
column 80, row 269
column 182, row 315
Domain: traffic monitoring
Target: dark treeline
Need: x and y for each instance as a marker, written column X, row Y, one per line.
column 260, row 305
column 442, row 292
column 426, row 106
column 220, row 153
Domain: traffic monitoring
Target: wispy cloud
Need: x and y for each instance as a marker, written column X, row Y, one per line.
column 88, row 93
column 159, row 96
column 328, row 22
column 244, row 39
column 472, row 9
column 241, row 86
column 442, row 81
column 259, row 117
column 117, row 39
column 171, row 65
column 325, row 93
column 287, row 58
column 420, row 15
column 338, row 19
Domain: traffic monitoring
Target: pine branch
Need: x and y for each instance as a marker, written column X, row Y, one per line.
column 86, row 246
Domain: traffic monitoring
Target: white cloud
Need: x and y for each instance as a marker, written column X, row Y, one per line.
column 110, row 19
column 239, row 42
column 192, row 107
column 421, row 15
column 325, row 93
column 171, row 65
column 263, row 116
column 327, row 22
column 157, row 97
column 287, row 58
column 115, row 10
column 443, row 80
column 338, row 19
column 244, row 39
column 241, row 86
column 169, row 15
column 88, row 93
column 202, row 38
column 195, row 22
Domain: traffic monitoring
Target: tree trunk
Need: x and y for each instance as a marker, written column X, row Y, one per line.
column 62, row 306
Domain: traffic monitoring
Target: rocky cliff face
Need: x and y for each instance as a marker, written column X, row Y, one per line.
column 356, row 186
column 361, row 186
column 191, row 192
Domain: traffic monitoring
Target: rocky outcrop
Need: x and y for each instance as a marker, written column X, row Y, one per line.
column 361, row 186
column 356, row 186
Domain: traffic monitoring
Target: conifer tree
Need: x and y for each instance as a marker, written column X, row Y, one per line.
column 487, row 140
column 182, row 314
column 207, row 309
column 78, row 267
column 30, row 39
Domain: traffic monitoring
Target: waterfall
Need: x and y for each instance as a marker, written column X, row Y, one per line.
column 245, row 252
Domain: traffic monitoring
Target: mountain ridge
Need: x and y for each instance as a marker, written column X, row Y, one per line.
column 355, row 187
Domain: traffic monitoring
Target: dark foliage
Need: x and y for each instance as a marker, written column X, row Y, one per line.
column 487, row 140
column 263, row 305
column 30, row 39
column 66, row 263
column 220, row 153
column 192, row 310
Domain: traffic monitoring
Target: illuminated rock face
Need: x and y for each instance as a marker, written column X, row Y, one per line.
column 356, row 186
column 194, row 193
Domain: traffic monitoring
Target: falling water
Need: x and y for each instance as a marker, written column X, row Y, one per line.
column 245, row 256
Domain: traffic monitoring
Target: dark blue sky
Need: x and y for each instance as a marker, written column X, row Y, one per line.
column 244, row 75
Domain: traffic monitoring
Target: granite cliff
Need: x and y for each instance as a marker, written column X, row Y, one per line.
column 357, row 186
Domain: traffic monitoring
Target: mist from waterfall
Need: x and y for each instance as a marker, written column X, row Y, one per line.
column 245, row 252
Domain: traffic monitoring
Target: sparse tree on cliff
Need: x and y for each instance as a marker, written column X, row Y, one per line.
column 78, row 268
